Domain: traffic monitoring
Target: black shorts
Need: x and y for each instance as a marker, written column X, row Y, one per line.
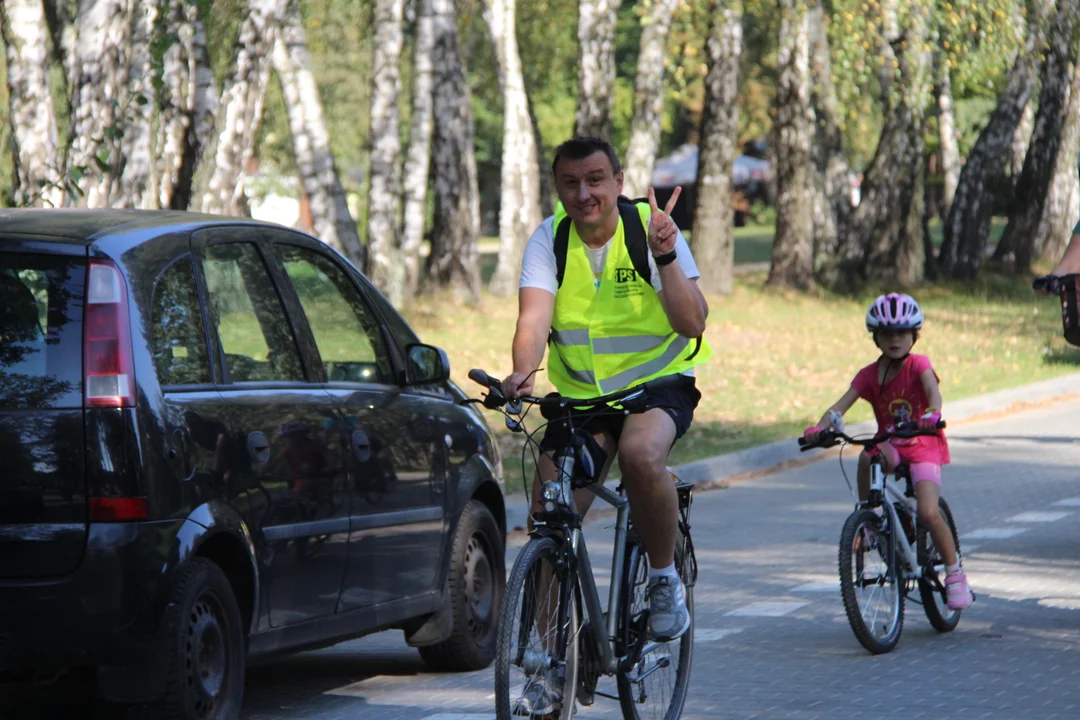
column 678, row 401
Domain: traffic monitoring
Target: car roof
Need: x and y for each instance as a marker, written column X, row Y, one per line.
column 83, row 227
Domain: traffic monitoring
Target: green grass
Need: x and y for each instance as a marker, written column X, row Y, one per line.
column 782, row 358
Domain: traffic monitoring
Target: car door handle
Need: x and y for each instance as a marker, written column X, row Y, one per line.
column 361, row 446
column 258, row 447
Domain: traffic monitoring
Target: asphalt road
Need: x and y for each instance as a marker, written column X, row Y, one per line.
column 772, row 637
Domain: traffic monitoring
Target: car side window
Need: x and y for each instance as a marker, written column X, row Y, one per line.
column 178, row 337
column 346, row 332
column 250, row 320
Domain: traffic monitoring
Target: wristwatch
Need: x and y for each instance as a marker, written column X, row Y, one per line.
column 665, row 259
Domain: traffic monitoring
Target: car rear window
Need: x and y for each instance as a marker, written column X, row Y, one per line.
column 41, row 309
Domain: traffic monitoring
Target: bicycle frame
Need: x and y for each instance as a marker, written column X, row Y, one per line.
column 565, row 520
column 879, row 484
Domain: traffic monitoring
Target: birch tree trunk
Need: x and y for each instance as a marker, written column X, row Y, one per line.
column 188, row 105
column 137, row 186
column 418, row 158
column 384, row 192
column 519, row 201
column 829, row 190
column 713, row 230
column 547, row 183
column 1017, row 243
column 596, row 67
column 34, row 138
column 1062, row 211
column 648, row 98
column 98, row 98
column 967, row 226
column 888, row 220
column 1021, row 140
column 218, row 186
column 454, row 261
column 60, row 17
column 793, row 249
column 946, row 117
column 318, row 171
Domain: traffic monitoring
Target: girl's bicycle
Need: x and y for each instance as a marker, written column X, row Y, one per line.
column 555, row 640
column 884, row 557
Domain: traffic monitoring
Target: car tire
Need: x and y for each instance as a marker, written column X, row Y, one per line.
column 205, row 654
column 477, row 581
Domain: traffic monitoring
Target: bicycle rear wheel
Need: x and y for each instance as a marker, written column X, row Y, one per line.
column 536, row 657
column 932, row 584
column 873, row 598
column 654, row 688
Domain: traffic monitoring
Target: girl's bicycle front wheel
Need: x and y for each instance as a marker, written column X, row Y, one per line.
column 932, row 584
column 654, row 688
column 536, row 657
column 873, row 595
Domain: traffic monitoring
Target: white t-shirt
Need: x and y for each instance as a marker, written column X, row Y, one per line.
column 538, row 267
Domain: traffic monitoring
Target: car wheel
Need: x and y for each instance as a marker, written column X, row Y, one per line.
column 477, row 580
column 204, row 646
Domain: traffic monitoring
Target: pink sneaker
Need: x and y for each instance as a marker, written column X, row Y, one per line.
column 957, row 590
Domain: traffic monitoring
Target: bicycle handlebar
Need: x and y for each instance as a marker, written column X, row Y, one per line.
column 496, row 398
column 1050, row 283
column 830, row 438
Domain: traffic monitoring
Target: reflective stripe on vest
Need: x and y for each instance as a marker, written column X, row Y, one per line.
column 616, row 336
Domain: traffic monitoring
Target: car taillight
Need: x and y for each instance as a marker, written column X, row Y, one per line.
column 118, row 509
column 110, row 376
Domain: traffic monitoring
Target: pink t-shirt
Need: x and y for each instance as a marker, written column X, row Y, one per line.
column 903, row 399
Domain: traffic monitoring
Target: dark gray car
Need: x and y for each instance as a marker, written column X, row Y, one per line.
column 220, row 443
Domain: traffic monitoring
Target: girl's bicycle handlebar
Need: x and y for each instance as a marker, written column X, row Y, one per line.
column 831, row 438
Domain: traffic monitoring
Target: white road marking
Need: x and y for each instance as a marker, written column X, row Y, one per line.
column 994, row 533
column 1038, row 517
column 713, row 634
column 768, row 608
column 818, row 586
column 1068, row 502
column 460, row 716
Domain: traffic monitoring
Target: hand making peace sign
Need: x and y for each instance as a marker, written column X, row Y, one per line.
column 662, row 229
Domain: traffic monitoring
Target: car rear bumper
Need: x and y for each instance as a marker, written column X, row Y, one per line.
column 106, row 612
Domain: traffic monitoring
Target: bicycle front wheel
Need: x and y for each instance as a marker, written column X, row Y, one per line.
column 536, row 657
column 873, row 596
column 655, row 686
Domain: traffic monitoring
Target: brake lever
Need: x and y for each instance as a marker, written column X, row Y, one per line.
column 513, row 407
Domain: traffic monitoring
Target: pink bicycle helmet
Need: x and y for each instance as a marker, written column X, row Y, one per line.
column 894, row 310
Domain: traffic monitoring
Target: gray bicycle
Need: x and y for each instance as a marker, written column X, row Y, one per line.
column 555, row 639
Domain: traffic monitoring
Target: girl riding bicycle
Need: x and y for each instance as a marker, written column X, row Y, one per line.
column 903, row 388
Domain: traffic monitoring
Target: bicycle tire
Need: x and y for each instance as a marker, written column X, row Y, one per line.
column 510, row 652
column 632, row 623
column 933, row 599
column 851, row 562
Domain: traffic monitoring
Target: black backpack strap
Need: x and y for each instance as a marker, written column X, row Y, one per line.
column 562, row 241
column 637, row 243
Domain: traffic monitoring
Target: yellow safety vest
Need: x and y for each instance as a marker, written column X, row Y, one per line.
column 616, row 336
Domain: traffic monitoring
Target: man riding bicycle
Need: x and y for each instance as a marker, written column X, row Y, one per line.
column 609, row 285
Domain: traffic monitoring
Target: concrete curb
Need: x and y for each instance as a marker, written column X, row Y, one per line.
column 722, row 470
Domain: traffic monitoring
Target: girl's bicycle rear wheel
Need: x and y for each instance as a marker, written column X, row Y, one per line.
column 873, row 598
column 932, row 585
column 654, row 688
column 536, row 657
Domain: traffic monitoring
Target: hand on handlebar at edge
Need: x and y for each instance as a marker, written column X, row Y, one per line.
column 930, row 420
column 517, row 384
